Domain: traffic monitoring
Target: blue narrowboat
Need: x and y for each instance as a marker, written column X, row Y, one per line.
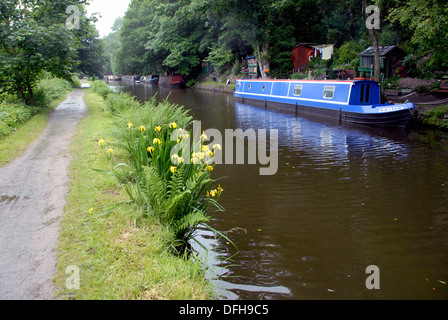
column 350, row 101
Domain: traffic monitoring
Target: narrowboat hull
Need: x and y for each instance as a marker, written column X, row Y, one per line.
column 340, row 104
column 152, row 80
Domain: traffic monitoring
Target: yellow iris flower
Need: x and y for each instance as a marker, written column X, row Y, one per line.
column 173, row 125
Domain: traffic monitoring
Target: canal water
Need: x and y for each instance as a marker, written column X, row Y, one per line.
column 343, row 199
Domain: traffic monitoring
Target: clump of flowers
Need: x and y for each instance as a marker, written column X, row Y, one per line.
column 177, row 188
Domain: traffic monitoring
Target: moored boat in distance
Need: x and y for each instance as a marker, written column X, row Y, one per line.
column 132, row 78
column 150, row 79
column 350, row 101
column 174, row 81
column 112, row 77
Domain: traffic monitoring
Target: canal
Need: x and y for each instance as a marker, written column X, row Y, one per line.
column 343, row 199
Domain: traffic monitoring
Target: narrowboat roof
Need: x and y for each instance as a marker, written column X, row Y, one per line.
column 306, row 80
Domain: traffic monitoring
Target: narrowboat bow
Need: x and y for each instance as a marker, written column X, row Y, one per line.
column 351, row 101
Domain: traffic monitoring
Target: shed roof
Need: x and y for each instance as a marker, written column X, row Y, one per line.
column 384, row 50
column 306, row 44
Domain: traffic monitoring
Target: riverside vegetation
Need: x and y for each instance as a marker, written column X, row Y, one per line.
column 20, row 124
column 178, row 192
column 129, row 221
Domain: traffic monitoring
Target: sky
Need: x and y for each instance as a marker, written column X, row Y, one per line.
column 109, row 11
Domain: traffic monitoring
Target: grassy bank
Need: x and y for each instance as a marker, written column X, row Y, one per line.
column 436, row 117
column 21, row 125
column 120, row 253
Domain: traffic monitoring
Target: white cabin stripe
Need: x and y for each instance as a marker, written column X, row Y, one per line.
column 292, row 98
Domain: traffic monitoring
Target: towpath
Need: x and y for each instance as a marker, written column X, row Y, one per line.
column 32, row 198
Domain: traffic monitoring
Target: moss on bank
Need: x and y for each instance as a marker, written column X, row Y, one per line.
column 436, row 117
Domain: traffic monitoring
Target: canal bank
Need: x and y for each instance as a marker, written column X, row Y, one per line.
column 108, row 249
column 214, row 87
column 432, row 109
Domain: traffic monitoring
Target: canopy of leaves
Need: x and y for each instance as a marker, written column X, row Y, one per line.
column 34, row 37
column 168, row 36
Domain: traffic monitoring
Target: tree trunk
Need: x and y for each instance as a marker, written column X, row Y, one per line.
column 30, row 93
column 262, row 59
column 376, row 50
column 29, row 87
column 20, row 92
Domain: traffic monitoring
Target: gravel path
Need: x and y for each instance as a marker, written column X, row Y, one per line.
column 32, row 198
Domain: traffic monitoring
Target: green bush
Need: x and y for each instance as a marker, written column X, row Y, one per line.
column 175, row 188
column 437, row 117
column 13, row 113
column 76, row 82
column 117, row 103
column 221, row 58
column 299, row 76
column 12, row 116
column 100, row 87
column 48, row 90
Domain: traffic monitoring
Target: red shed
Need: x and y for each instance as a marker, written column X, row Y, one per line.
column 302, row 54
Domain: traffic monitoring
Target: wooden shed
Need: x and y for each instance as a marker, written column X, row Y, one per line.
column 304, row 52
column 390, row 57
column 301, row 55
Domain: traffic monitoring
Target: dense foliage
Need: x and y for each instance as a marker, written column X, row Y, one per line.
column 34, row 37
column 14, row 113
column 163, row 36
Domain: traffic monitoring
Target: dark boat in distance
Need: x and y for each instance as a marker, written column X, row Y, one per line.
column 150, row 79
column 350, row 101
column 132, row 78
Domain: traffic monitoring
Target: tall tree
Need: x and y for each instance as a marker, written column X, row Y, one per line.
column 427, row 23
column 112, row 46
column 34, row 37
column 376, row 48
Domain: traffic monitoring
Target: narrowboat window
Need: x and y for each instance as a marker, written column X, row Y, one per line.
column 239, row 85
column 367, row 93
column 250, row 86
column 298, row 90
column 361, row 99
column 329, row 92
column 264, row 87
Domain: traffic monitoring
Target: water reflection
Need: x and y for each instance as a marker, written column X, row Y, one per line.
column 333, row 145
